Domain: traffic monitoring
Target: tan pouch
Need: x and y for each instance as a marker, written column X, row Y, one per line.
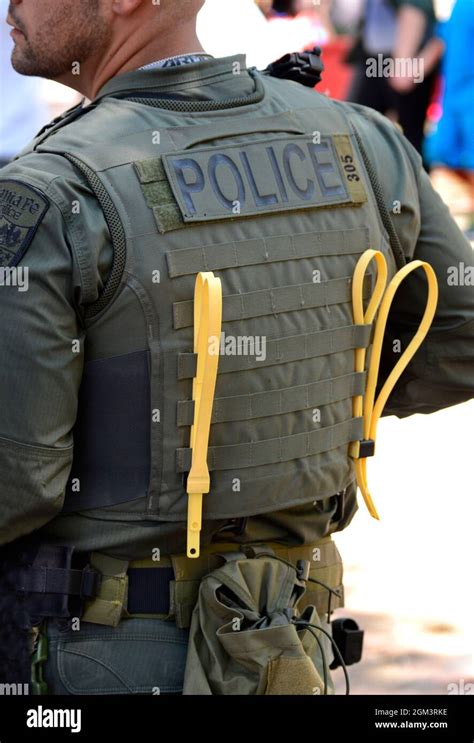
column 244, row 635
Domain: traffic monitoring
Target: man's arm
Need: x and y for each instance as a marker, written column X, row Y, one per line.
column 442, row 371
column 41, row 339
column 413, row 18
column 411, row 28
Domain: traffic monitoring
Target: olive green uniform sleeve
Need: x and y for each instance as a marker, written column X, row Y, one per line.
column 442, row 372
column 42, row 338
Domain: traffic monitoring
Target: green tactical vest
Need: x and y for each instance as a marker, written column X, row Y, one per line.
column 272, row 196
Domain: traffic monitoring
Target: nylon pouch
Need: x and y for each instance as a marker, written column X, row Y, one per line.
column 53, row 580
column 43, row 600
column 245, row 638
column 109, row 605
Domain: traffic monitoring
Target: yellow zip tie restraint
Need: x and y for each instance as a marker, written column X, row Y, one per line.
column 367, row 406
column 207, row 327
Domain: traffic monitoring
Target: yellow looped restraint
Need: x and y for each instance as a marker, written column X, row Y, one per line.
column 207, row 330
column 367, row 406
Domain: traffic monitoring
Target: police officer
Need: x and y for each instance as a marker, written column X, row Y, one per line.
column 181, row 163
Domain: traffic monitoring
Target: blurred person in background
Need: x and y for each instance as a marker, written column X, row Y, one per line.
column 346, row 15
column 299, row 24
column 399, row 30
column 23, row 111
column 264, row 29
column 452, row 142
column 226, row 27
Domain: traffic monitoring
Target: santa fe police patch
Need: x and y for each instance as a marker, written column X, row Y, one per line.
column 22, row 209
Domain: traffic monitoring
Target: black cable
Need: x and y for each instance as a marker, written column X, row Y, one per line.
column 323, row 656
column 303, row 623
column 330, row 591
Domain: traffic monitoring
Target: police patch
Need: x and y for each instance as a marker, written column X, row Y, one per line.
column 268, row 176
column 22, row 209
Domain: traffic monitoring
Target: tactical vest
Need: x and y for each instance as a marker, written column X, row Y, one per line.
column 273, row 196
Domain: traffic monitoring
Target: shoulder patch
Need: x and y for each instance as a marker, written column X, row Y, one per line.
column 22, row 209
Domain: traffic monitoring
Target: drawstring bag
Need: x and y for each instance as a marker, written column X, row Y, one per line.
column 247, row 636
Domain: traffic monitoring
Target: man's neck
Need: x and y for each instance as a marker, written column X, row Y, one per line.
column 122, row 57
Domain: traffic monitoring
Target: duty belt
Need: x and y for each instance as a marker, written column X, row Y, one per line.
column 105, row 590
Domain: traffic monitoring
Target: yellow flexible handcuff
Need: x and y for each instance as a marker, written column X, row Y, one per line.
column 381, row 300
column 207, row 328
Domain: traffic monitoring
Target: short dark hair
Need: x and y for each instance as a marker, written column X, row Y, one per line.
column 285, row 6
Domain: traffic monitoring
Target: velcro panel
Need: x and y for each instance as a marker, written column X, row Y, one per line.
column 159, row 195
column 112, row 434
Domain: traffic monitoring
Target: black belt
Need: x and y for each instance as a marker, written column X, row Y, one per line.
column 149, row 590
column 59, row 583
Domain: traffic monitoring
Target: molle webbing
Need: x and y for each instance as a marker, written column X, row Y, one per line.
column 284, row 350
column 283, row 449
column 276, row 402
column 266, row 250
column 268, row 301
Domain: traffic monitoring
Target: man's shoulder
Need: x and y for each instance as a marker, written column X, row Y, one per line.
column 51, row 176
column 40, row 170
column 374, row 128
column 40, row 194
column 383, row 140
column 44, row 162
column 77, row 130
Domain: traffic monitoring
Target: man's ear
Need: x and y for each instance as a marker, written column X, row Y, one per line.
column 126, row 7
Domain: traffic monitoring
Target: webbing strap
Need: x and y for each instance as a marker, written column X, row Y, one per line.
column 110, row 603
column 43, row 579
column 277, row 402
column 285, row 350
column 266, row 250
column 272, row 301
column 271, row 451
column 371, row 408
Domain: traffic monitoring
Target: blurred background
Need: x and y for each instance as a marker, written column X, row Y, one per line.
column 409, row 576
